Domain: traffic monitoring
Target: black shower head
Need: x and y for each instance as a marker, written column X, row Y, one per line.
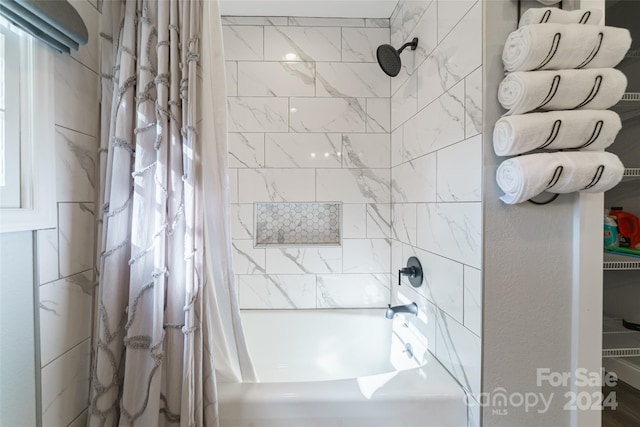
column 389, row 57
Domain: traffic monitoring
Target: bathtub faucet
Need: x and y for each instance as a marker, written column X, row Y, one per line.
column 411, row 309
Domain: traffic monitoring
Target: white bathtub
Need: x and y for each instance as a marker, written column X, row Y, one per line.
column 324, row 368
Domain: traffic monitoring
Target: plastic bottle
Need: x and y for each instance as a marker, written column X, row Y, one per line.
column 628, row 228
column 610, row 230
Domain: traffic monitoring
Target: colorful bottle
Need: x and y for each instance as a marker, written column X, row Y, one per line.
column 628, row 228
column 610, row 230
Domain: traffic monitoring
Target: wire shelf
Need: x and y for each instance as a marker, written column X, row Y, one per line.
column 618, row 341
column 632, row 172
column 633, row 54
column 620, row 262
column 631, row 97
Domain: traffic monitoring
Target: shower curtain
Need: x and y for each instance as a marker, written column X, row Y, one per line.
column 167, row 322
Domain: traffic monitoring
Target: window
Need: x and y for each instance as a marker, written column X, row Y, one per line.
column 27, row 168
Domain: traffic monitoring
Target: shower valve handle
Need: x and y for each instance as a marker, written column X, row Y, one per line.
column 413, row 271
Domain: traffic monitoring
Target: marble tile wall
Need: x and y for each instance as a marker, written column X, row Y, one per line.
column 66, row 253
column 436, row 158
column 310, row 121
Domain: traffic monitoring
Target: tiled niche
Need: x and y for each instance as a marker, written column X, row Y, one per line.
column 309, row 122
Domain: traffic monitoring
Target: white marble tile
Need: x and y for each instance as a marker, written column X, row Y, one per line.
column 246, row 150
column 443, row 283
column 89, row 53
column 326, row 22
column 81, row 421
column 65, row 386
column 302, row 43
column 415, row 181
column 327, row 115
column 397, row 149
column 450, row 12
column 353, row 290
column 378, row 220
column 397, row 34
column 453, row 230
column 76, row 96
column 366, row 255
column 438, row 125
column 365, row 150
column 277, row 291
column 354, row 220
column 276, row 185
column 48, row 255
column 247, row 114
column 455, row 57
column 404, row 103
column 473, row 103
column 254, row 20
column 353, row 79
column 75, row 166
column 403, row 223
column 75, row 237
column 65, row 314
column 424, row 324
column 377, row 22
column 473, row 300
column 231, row 73
column 353, row 185
column 241, row 220
column 243, row 43
column 247, row 259
column 303, row 150
column 307, row 260
column 454, row 186
column 276, row 78
column 397, row 260
column 426, row 32
column 460, row 351
column 233, row 185
column 378, row 115
column 360, row 44
column 412, row 12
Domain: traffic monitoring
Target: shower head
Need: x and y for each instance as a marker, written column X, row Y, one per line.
column 389, row 57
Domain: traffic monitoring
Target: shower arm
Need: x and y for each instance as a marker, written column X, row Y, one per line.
column 413, row 44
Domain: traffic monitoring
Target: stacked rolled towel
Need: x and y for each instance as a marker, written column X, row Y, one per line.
column 524, row 177
column 564, row 46
column 553, row 15
column 591, row 130
column 592, row 89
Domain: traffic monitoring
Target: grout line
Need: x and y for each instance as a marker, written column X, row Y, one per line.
column 68, row 351
column 76, row 131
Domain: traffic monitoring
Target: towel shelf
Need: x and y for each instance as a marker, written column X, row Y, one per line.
column 620, row 262
column 629, row 106
column 631, row 173
column 618, row 341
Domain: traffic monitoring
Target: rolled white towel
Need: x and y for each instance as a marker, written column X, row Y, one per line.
column 592, row 89
column 549, row 2
column 565, row 46
column 553, row 15
column 524, row 177
column 591, row 130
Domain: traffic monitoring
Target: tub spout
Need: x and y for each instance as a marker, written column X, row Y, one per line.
column 411, row 309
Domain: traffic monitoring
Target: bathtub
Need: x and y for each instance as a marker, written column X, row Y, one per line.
column 348, row 368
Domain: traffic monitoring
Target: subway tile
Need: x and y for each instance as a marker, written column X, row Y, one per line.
column 473, row 300
column 360, row 44
column 76, row 237
column 464, row 156
column 75, row 166
column 303, row 150
column 276, row 79
column 65, row 386
column 365, row 150
column 453, row 230
column 76, row 95
column 404, row 223
column 415, row 181
column 48, row 255
column 247, row 259
column 378, row 220
column 241, row 219
column 231, row 73
column 88, row 54
column 276, row 185
column 277, row 291
column 438, row 125
column 246, row 150
column 326, row 22
column 243, row 43
column 65, row 314
column 404, row 103
column 378, row 115
column 473, row 103
column 250, row 114
column 302, row 43
column 327, row 115
column 340, row 79
column 254, row 20
column 354, row 220
column 353, row 185
column 353, row 290
column 307, row 260
column 450, row 12
column 366, row 255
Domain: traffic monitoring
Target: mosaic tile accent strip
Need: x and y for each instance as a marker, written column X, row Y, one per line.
column 298, row 224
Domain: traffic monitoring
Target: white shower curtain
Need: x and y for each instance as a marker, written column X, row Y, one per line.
column 167, row 322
